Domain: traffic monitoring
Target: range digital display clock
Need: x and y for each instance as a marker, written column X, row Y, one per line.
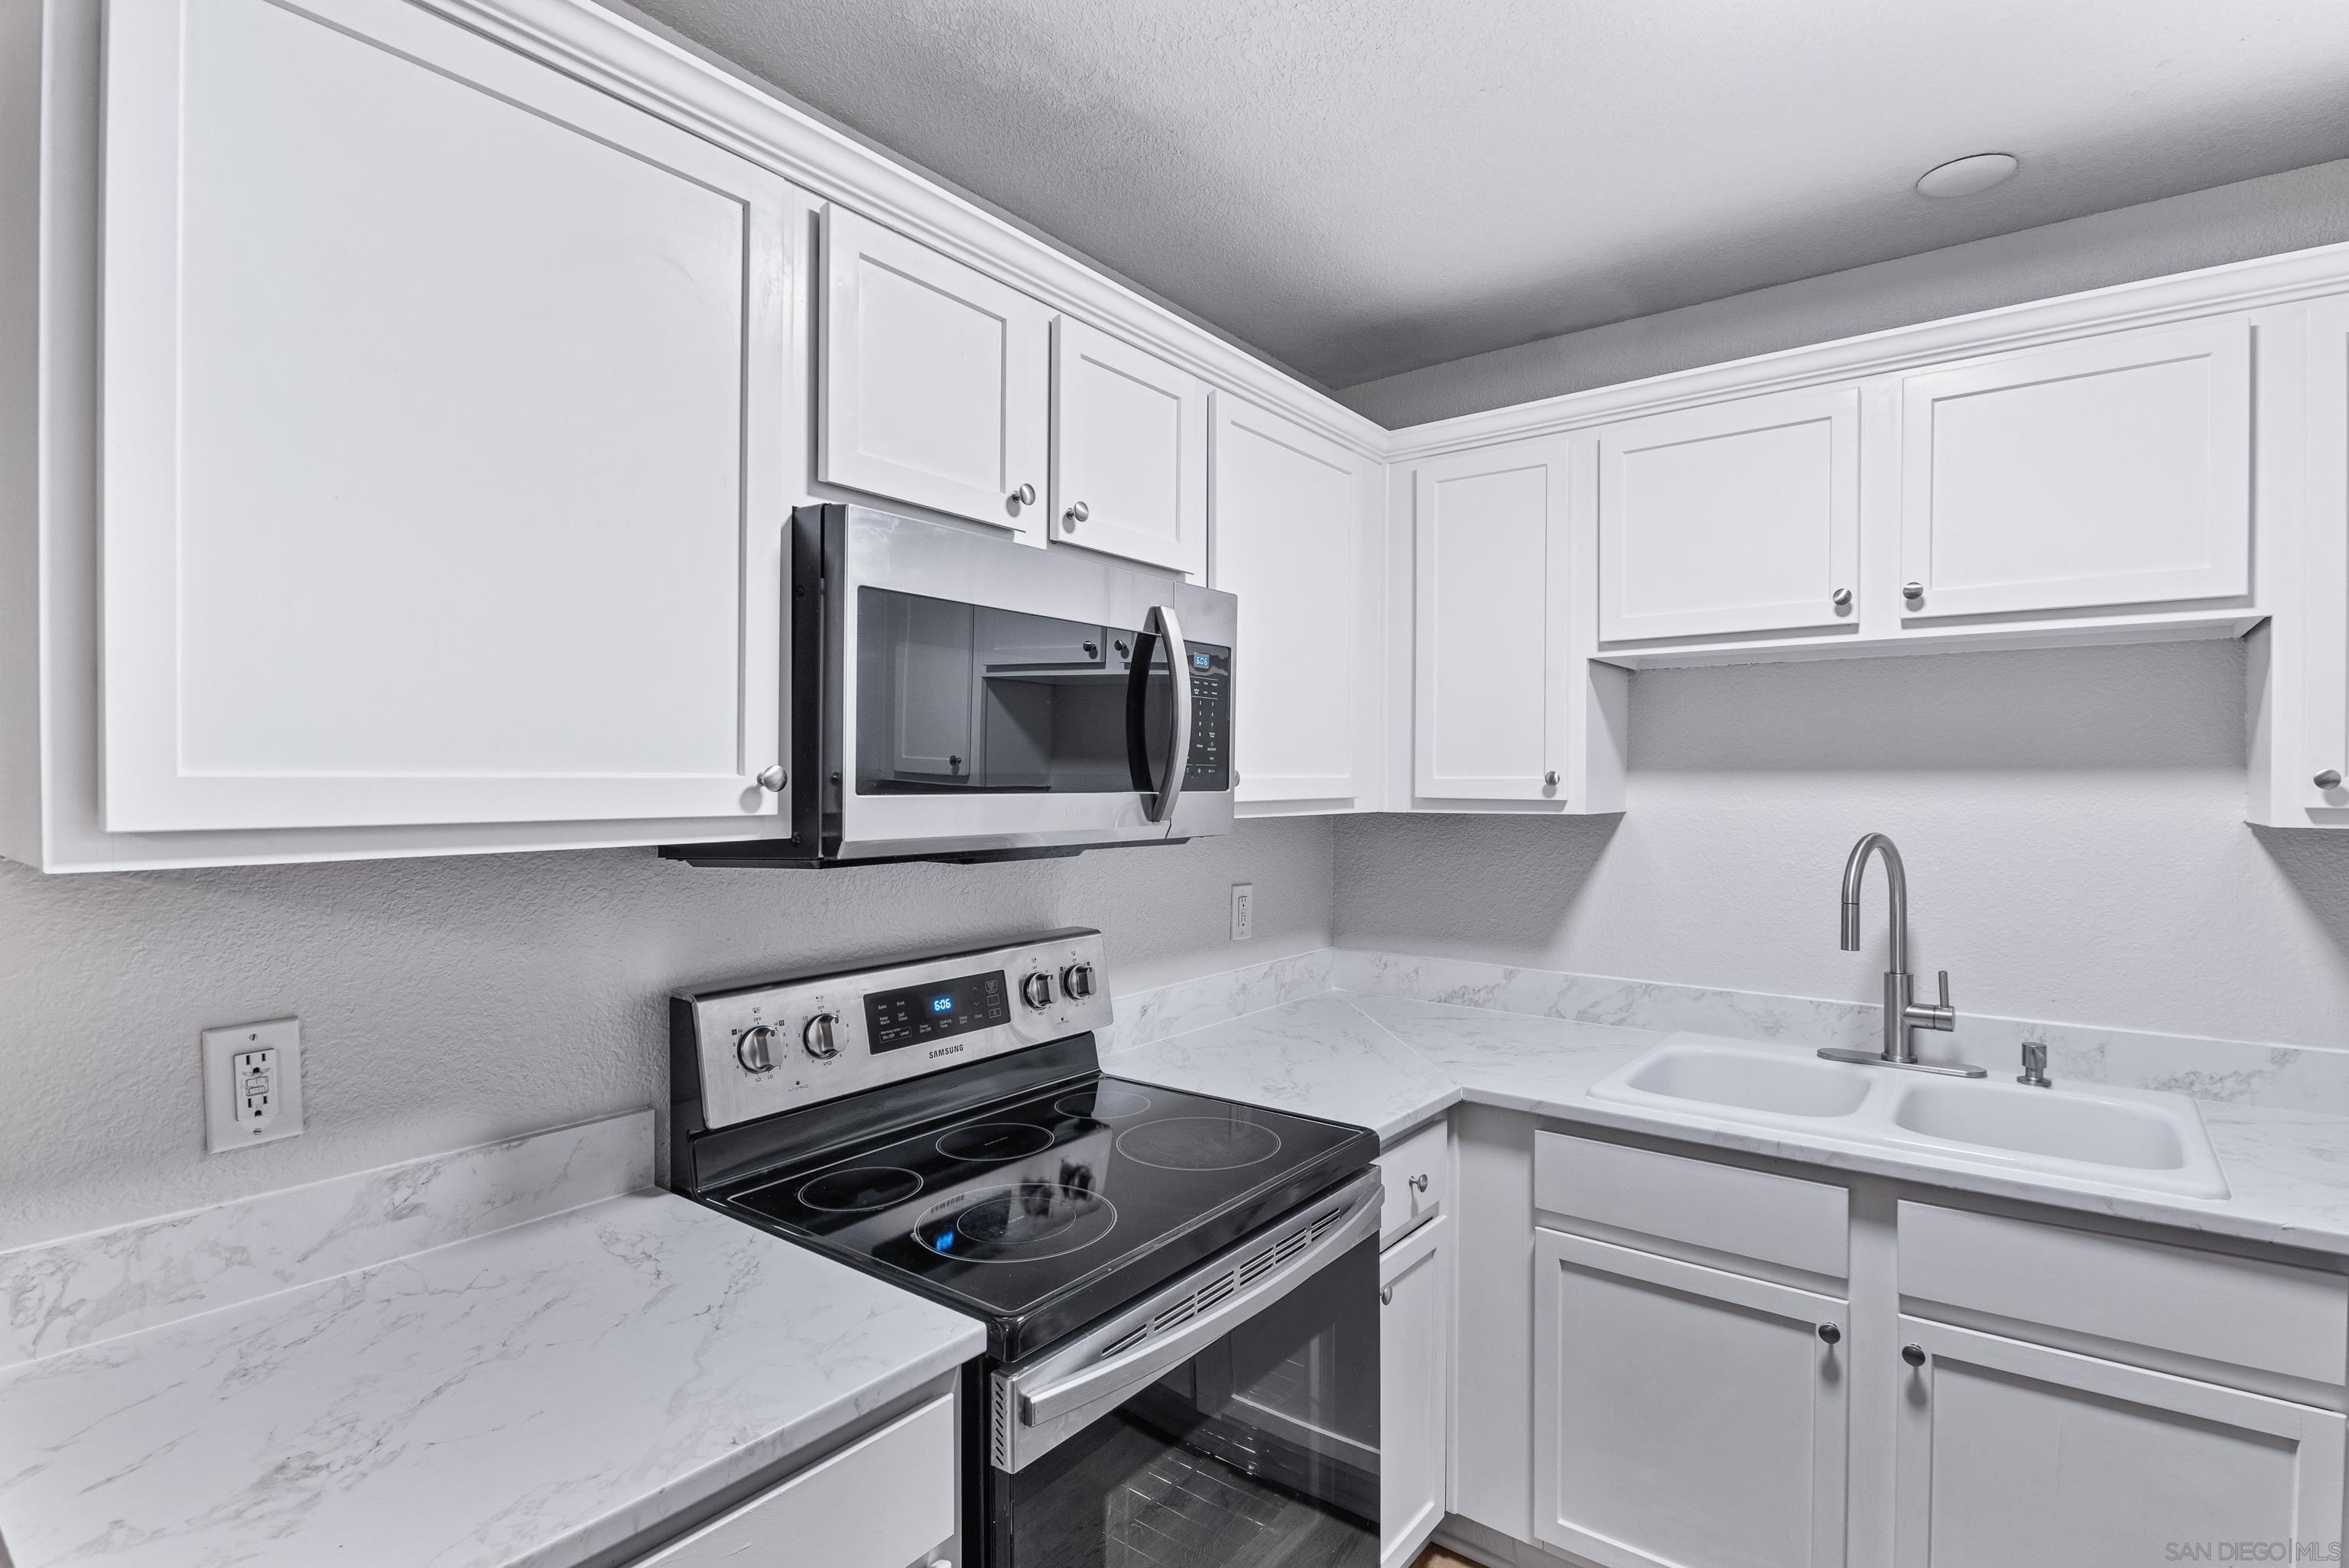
column 895, row 1020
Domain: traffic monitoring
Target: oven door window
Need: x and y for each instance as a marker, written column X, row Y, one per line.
column 1261, row 1452
column 956, row 698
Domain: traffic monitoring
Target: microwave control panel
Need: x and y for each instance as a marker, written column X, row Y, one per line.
column 1209, row 767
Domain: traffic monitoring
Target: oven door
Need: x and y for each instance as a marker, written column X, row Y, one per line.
column 1228, row 1419
column 990, row 695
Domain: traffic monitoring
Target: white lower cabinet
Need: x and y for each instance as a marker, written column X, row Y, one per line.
column 1414, row 1390
column 885, row 1501
column 1684, row 1415
column 2013, row 1453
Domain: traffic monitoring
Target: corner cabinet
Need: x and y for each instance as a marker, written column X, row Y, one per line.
column 1505, row 708
column 1297, row 529
column 433, row 386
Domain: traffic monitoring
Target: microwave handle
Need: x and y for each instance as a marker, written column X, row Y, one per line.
column 1178, row 747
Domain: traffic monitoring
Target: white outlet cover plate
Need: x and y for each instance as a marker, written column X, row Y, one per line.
column 1243, row 911
column 221, row 1046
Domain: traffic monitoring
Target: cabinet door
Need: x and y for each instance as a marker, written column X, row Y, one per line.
column 1743, row 517
column 1129, row 451
column 2323, row 604
column 431, row 378
column 2012, row 1453
column 2112, row 471
column 1289, row 520
column 936, row 383
column 1683, row 1415
column 1490, row 543
column 1414, row 1390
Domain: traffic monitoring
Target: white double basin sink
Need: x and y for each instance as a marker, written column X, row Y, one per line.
column 2085, row 1132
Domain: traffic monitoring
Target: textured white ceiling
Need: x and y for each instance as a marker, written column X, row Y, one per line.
column 1361, row 187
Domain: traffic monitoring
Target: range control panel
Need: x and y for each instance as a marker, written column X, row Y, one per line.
column 797, row 1041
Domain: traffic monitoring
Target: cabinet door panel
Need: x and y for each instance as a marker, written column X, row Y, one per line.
column 430, row 379
column 2013, row 1453
column 1682, row 1415
column 1738, row 518
column 2323, row 604
column 1130, row 444
column 1288, row 542
column 2113, row 471
column 936, row 381
column 1490, row 542
column 1414, row 1389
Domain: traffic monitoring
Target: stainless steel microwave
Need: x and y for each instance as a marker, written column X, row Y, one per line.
column 956, row 696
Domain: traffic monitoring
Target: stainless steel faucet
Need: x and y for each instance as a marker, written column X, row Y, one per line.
column 1903, row 1014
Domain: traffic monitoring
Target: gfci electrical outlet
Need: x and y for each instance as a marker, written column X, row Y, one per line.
column 1243, row 911
column 252, row 1084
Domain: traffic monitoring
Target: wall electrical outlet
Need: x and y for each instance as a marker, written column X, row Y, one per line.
column 252, row 1084
column 1243, row 911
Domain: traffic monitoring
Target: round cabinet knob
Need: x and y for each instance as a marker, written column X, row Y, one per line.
column 1386, row 1296
column 822, row 1037
column 1912, row 591
column 1093, row 649
column 1078, row 512
column 1830, row 1334
column 2329, row 780
column 1840, row 598
column 1024, row 495
column 1076, row 982
column 1419, row 1183
column 755, row 1049
column 1913, row 1354
column 1550, row 778
column 1037, row 991
column 773, row 779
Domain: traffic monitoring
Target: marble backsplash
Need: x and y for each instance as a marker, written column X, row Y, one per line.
column 2244, row 1072
column 59, row 1295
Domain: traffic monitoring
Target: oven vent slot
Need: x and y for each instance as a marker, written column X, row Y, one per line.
column 1321, row 1226
column 1185, row 1308
column 999, row 1421
column 1128, row 1343
column 1216, row 1289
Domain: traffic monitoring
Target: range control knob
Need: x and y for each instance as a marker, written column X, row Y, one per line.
column 1037, row 991
column 1076, row 982
column 754, row 1047
column 822, row 1037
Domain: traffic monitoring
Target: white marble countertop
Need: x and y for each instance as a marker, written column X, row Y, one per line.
column 528, row 1396
column 1390, row 1064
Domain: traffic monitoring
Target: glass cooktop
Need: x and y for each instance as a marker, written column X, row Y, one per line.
column 1021, row 1205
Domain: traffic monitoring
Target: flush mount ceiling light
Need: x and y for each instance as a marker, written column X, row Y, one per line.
column 1964, row 176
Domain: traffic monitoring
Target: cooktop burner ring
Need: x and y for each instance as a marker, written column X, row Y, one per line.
column 1041, row 1219
column 1203, row 1143
column 993, row 1143
column 1103, row 1104
column 832, row 1190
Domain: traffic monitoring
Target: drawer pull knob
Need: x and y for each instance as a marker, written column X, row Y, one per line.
column 1830, row 1333
column 1419, row 1183
column 1842, row 599
column 1024, row 495
column 2329, row 780
column 1913, row 1354
column 1912, row 591
column 1386, row 1296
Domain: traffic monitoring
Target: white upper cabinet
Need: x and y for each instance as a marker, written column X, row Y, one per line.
column 936, row 379
column 1129, row 451
column 1294, row 540
column 433, row 387
column 2312, row 734
column 1492, row 652
column 2114, row 470
column 1740, row 517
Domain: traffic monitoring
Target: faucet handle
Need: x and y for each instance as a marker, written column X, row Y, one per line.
column 1935, row 1015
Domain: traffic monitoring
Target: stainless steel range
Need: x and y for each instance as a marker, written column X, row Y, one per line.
column 1180, row 1291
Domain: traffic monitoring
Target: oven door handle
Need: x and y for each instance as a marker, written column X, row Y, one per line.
column 1095, row 1380
column 1178, row 745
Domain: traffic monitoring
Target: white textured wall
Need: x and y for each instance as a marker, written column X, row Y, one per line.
column 2277, row 212
column 2072, row 822
column 446, row 1002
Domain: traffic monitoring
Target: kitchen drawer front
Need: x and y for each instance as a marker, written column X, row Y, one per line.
column 2232, row 1311
column 883, row 1502
column 1725, row 1209
column 1418, row 1173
